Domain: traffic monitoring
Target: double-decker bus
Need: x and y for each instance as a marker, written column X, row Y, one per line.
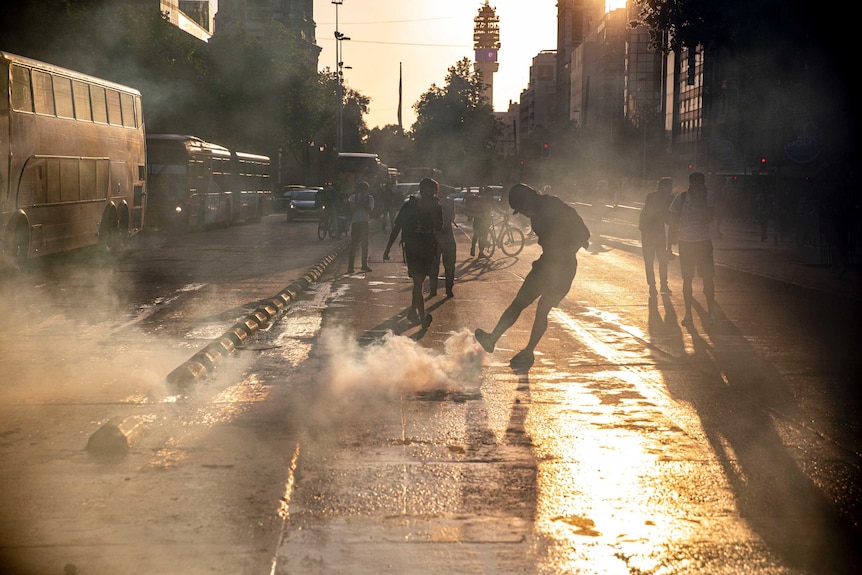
column 72, row 160
column 194, row 184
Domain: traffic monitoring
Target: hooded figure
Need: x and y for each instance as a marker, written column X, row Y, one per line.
column 418, row 221
column 561, row 232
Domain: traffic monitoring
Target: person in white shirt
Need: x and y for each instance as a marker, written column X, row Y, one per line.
column 690, row 215
column 361, row 207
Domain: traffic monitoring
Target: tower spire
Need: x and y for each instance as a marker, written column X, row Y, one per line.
column 486, row 42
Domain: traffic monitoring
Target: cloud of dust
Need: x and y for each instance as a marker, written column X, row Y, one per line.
column 396, row 364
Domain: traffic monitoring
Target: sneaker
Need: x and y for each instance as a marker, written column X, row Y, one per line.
column 485, row 340
column 426, row 321
column 367, row 269
column 687, row 321
column 665, row 289
column 652, row 291
column 523, row 358
column 412, row 316
column 449, row 293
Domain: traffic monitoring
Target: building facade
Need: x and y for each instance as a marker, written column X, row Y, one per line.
column 486, row 44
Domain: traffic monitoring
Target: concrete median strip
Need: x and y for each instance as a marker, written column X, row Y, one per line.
column 113, row 438
column 205, row 361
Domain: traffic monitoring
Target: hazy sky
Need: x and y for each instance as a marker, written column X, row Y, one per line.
column 427, row 38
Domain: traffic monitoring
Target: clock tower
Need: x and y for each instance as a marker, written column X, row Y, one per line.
column 486, row 42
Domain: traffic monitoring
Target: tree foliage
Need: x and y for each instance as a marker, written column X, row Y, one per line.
column 455, row 128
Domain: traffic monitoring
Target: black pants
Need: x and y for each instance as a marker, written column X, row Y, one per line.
column 358, row 236
column 446, row 255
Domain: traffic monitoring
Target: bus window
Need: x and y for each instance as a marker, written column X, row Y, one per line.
column 22, row 96
column 32, row 186
column 100, row 106
column 139, row 117
column 101, row 179
column 52, row 181
column 127, row 103
column 63, row 97
column 43, row 93
column 114, row 116
column 81, row 95
column 88, row 180
column 69, row 183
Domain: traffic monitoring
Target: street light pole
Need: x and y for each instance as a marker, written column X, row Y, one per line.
column 339, row 78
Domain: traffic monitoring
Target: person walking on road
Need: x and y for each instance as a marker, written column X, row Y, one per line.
column 561, row 233
column 418, row 221
column 361, row 206
column 691, row 213
column 654, row 241
column 446, row 247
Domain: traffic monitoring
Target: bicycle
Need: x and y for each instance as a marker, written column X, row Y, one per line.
column 507, row 236
column 335, row 226
column 324, row 224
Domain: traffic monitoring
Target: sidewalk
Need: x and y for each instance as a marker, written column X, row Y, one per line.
column 738, row 248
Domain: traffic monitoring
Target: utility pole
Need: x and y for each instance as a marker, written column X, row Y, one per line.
column 339, row 76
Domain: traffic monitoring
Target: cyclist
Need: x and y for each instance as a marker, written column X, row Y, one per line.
column 561, row 233
column 483, row 209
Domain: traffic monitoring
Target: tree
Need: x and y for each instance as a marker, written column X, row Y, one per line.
column 455, row 128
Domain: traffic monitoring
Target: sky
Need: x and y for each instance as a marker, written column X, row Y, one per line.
column 427, row 38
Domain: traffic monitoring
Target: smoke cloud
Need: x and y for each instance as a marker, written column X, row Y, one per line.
column 397, row 364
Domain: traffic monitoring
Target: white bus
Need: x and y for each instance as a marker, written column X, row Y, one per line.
column 72, row 160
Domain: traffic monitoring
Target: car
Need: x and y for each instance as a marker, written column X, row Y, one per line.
column 281, row 199
column 302, row 203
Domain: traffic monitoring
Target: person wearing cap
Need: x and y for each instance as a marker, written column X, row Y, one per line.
column 418, row 221
column 561, row 232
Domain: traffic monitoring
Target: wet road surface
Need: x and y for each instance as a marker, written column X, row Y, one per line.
column 633, row 445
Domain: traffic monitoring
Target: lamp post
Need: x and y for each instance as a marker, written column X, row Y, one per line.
column 339, row 77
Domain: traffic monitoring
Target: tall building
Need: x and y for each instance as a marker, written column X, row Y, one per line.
column 576, row 19
column 486, row 42
column 255, row 16
column 195, row 17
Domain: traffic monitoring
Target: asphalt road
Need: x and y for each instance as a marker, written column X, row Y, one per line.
column 342, row 439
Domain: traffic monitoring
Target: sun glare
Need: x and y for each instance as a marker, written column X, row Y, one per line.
column 611, row 5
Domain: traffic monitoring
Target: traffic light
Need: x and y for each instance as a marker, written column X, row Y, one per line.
column 546, row 149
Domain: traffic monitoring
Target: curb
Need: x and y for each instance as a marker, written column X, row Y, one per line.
column 201, row 364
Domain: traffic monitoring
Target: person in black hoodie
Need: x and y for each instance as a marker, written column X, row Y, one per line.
column 561, row 233
column 418, row 221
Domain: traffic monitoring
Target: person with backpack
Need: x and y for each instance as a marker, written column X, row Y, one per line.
column 690, row 215
column 561, row 232
column 418, row 222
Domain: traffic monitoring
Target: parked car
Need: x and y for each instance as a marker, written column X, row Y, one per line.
column 302, row 203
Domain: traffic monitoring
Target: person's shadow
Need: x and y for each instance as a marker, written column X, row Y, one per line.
column 740, row 398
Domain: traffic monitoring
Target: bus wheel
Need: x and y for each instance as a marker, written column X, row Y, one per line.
column 109, row 233
column 19, row 245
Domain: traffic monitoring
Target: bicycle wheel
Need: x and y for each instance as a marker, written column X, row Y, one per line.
column 491, row 241
column 322, row 227
column 511, row 240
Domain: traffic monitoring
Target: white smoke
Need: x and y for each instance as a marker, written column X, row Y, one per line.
column 399, row 364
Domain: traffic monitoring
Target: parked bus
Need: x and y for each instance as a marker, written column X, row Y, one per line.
column 195, row 184
column 73, row 166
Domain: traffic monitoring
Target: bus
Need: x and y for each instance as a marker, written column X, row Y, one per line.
column 351, row 168
column 194, row 184
column 73, row 166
